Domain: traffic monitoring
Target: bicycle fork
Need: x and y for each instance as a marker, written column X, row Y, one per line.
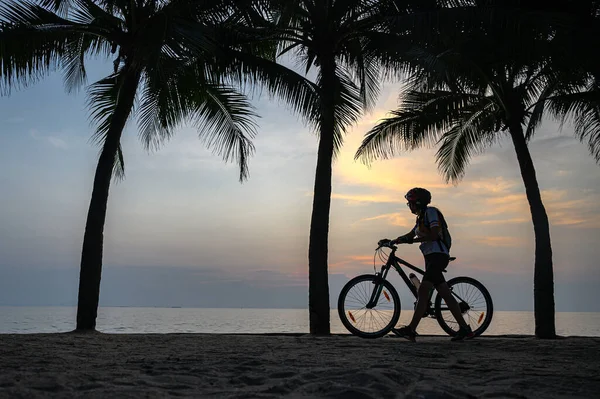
column 380, row 278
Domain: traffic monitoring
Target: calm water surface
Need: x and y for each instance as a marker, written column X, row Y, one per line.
column 200, row 320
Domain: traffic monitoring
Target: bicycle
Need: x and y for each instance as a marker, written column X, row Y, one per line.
column 474, row 300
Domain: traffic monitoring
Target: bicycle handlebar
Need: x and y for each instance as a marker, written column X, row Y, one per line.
column 387, row 244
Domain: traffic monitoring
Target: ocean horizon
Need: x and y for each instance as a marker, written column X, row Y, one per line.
column 163, row 320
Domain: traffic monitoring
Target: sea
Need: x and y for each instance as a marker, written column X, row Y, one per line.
column 130, row 320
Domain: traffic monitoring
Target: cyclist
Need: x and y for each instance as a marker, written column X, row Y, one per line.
column 428, row 232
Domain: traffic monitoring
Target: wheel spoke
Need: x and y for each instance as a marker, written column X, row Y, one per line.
column 478, row 312
column 368, row 322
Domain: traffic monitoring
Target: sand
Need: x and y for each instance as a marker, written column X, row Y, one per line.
column 263, row 366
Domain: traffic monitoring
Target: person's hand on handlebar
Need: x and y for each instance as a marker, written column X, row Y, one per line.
column 402, row 240
column 384, row 242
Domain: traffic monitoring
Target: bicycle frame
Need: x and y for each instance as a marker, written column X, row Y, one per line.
column 394, row 261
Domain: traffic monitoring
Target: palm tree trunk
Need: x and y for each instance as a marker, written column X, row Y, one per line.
column 91, row 254
column 543, row 279
column 318, row 280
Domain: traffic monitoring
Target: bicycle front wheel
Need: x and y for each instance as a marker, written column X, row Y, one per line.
column 475, row 303
column 362, row 321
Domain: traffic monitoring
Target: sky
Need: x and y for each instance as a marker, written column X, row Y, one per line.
column 182, row 231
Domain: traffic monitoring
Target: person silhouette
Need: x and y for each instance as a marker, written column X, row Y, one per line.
column 429, row 231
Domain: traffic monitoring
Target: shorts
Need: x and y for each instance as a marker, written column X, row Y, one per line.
column 435, row 264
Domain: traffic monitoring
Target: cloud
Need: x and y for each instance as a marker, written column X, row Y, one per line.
column 492, row 187
column 577, row 209
column 360, row 199
column 392, row 176
column 575, row 213
column 562, row 173
column 351, row 263
column 54, row 141
column 501, row 241
column 15, row 120
column 58, row 143
column 506, row 205
column 34, row 134
column 394, row 219
column 506, row 221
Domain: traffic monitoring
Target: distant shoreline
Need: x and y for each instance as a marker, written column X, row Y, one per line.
column 246, row 307
column 284, row 334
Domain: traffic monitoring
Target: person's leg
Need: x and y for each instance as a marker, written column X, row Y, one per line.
column 435, row 264
column 438, row 262
column 409, row 331
column 422, row 303
column 452, row 304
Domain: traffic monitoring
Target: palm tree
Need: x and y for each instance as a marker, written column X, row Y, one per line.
column 578, row 102
column 329, row 36
column 470, row 87
column 166, row 68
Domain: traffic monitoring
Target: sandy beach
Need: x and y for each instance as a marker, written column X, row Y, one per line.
column 265, row 366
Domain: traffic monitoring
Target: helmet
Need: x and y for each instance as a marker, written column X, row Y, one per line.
column 419, row 196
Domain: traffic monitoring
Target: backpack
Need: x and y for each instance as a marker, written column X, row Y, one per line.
column 446, row 237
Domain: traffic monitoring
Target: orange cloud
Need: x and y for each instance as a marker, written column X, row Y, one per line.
column 501, row 241
column 360, row 199
column 352, row 262
column 515, row 209
column 491, row 186
column 394, row 219
column 393, row 176
column 507, row 202
column 507, row 221
column 362, row 258
column 580, row 213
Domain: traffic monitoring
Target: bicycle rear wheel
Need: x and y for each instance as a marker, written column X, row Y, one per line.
column 475, row 303
column 357, row 318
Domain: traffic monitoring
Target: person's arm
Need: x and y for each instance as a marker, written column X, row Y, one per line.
column 408, row 237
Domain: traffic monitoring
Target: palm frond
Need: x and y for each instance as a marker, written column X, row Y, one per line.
column 61, row 7
column 166, row 100
column 119, row 166
column 102, row 101
column 536, row 115
column 587, row 128
column 176, row 92
column 252, row 72
column 73, row 59
column 367, row 70
column 422, row 119
column 25, row 53
column 550, row 83
column 35, row 42
column 299, row 28
column 348, row 109
column 473, row 132
column 225, row 120
column 187, row 37
column 583, row 108
column 157, row 115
